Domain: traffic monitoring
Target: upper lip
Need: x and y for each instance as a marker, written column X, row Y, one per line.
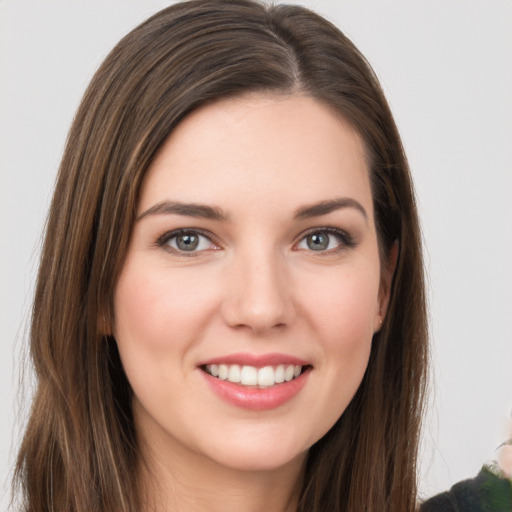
column 256, row 360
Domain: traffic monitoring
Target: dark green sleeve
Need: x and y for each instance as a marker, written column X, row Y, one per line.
column 485, row 493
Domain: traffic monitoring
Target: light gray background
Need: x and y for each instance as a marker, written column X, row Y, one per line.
column 446, row 67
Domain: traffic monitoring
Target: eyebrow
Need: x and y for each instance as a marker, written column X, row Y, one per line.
column 187, row 209
column 215, row 213
column 325, row 207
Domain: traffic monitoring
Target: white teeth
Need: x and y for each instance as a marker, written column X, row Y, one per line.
column 252, row 376
column 279, row 374
column 223, row 371
column 249, row 376
column 234, row 373
column 266, row 376
column 288, row 372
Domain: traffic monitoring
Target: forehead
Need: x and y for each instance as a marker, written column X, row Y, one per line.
column 286, row 148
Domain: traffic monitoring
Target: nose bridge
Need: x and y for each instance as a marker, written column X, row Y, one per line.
column 258, row 296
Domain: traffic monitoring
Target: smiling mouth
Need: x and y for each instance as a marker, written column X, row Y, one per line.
column 251, row 376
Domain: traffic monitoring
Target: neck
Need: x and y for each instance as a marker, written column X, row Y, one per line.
column 173, row 478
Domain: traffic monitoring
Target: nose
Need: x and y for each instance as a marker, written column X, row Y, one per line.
column 258, row 295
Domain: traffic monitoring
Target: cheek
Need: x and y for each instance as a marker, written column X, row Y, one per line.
column 159, row 316
column 346, row 335
column 156, row 309
column 342, row 315
column 343, row 307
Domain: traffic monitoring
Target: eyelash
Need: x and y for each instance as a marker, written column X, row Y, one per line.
column 164, row 240
column 346, row 241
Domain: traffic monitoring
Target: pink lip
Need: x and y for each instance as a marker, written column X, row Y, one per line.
column 258, row 361
column 253, row 398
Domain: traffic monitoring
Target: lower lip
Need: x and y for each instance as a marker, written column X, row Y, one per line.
column 256, row 399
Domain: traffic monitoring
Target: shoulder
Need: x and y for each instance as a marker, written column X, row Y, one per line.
column 488, row 492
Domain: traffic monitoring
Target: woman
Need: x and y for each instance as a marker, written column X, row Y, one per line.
column 194, row 229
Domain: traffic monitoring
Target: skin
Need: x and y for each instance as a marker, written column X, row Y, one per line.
column 505, row 460
column 254, row 286
column 505, row 453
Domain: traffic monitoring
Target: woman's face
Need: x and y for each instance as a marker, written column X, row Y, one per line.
column 254, row 257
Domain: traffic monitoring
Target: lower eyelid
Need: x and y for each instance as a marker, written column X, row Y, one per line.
column 345, row 239
column 163, row 241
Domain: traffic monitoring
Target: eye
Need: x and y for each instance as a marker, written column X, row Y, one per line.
column 325, row 240
column 186, row 241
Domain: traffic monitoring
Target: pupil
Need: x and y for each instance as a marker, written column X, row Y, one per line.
column 187, row 242
column 318, row 241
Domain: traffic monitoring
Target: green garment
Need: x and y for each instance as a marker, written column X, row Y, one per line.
column 487, row 492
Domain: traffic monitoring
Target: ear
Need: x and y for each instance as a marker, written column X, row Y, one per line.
column 386, row 281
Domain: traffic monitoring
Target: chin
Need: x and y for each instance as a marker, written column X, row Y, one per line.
column 257, row 460
column 265, row 450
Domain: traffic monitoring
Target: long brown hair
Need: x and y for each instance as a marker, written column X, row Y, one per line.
column 80, row 448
